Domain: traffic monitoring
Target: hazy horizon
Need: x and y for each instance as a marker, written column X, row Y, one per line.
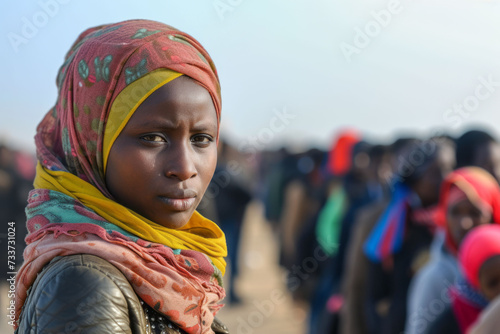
column 385, row 68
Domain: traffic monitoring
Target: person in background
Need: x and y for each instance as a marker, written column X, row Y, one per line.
column 479, row 148
column 354, row 282
column 339, row 163
column 302, row 198
column 361, row 187
column 479, row 284
column 295, row 186
column 323, row 229
column 231, row 198
column 279, row 171
column 17, row 171
column 469, row 197
column 399, row 243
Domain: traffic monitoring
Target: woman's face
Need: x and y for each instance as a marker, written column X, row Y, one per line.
column 163, row 160
column 489, row 278
column 462, row 216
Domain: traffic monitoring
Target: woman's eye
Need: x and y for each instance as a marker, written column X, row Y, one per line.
column 153, row 138
column 202, row 139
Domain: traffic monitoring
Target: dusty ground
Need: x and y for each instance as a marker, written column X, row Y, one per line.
column 266, row 307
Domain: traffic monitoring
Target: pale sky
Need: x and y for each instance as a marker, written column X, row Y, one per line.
column 292, row 72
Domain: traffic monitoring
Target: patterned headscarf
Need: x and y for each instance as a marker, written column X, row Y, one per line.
column 478, row 186
column 99, row 66
column 107, row 73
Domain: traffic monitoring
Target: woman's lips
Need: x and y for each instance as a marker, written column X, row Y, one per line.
column 179, row 204
column 180, row 200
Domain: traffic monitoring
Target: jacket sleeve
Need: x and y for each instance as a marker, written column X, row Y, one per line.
column 78, row 295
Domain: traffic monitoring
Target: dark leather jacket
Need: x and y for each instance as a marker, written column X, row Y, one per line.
column 85, row 294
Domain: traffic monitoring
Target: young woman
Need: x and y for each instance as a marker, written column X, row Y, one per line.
column 115, row 244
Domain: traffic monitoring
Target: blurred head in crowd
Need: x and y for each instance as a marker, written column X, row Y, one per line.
column 360, row 164
column 309, row 165
column 340, row 156
column 479, row 148
column 397, row 150
column 480, row 260
column 422, row 165
column 469, row 197
column 380, row 164
column 6, row 156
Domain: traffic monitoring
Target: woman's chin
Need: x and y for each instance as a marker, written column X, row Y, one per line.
column 175, row 220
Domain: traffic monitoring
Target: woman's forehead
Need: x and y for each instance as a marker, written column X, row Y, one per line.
column 181, row 89
column 180, row 100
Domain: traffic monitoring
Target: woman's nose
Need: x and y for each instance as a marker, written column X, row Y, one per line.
column 180, row 162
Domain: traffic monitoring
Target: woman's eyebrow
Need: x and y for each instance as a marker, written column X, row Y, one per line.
column 156, row 124
column 168, row 125
column 204, row 126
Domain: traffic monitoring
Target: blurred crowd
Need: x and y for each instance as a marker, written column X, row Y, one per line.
column 373, row 237
column 17, row 171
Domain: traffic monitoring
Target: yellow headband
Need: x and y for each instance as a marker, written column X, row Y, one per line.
column 127, row 102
